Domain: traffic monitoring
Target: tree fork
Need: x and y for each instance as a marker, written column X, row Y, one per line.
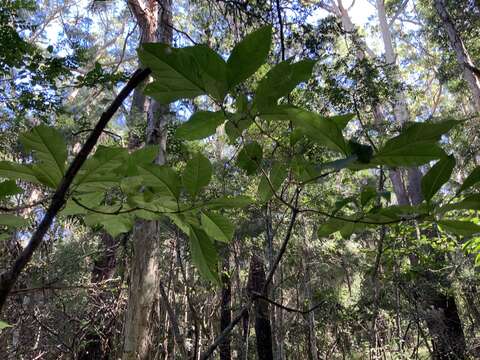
column 9, row 277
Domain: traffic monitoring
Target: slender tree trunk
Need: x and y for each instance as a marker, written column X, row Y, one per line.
column 226, row 307
column 154, row 19
column 470, row 73
column 263, row 330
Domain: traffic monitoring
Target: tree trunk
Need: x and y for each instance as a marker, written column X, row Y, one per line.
column 225, row 307
column 470, row 72
column 154, row 19
column 263, row 331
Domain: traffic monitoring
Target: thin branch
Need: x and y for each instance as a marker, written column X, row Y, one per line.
column 287, row 308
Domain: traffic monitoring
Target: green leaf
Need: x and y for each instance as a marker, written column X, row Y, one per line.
column 12, row 220
column 15, row 171
column 342, row 120
column 364, row 153
column 197, row 174
column 49, row 148
column 248, row 55
column 323, row 131
column 113, row 224
column 329, row 227
column 162, row 178
column 176, row 72
column 471, row 179
column 407, row 154
column 229, row 202
column 250, row 157
column 280, row 81
column 438, row 175
column 469, row 203
column 213, row 68
column 217, row 226
column 368, row 193
column 278, row 174
column 99, row 171
column 184, row 73
column 9, row 188
column 464, row 228
column 204, row 254
column 200, row 125
column 4, row 325
column 415, row 145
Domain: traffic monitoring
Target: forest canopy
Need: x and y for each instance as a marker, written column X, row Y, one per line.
column 239, row 179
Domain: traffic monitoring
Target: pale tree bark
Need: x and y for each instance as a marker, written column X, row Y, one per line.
column 154, row 19
column 471, row 74
column 442, row 320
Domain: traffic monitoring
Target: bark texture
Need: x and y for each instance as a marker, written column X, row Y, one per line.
column 469, row 71
column 263, row 330
column 154, row 19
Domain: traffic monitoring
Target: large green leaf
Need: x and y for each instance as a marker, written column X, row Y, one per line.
column 162, row 178
column 229, row 202
column 12, row 220
column 471, row 179
column 49, row 148
column 280, row 81
column 250, row 157
column 16, row 171
column 200, row 125
column 415, row 145
column 98, row 172
column 438, row 175
column 322, row 130
column 217, row 226
column 213, row 70
column 277, row 175
column 469, row 203
column 9, row 188
column 408, row 154
column 197, row 174
column 464, row 228
column 204, row 254
column 176, row 72
column 248, row 55
column 4, row 325
column 113, row 224
column 184, row 73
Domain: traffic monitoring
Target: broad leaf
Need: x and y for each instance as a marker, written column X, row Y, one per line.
column 204, row 254
column 217, row 226
column 12, row 220
column 4, row 325
column 438, row 175
column 9, row 188
column 16, row 171
column 277, row 175
column 49, row 148
column 464, row 228
column 407, row 154
column 113, row 224
column 177, row 74
column 280, row 81
column 471, row 179
column 323, row 131
column 162, row 178
column 250, row 157
column 415, row 145
column 229, row 202
column 197, row 174
column 367, row 194
column 469, row 203
column 200, row 125
column 248, row 55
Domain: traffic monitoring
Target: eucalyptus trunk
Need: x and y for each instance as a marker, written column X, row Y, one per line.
column 154, row 19
column 470, row 73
